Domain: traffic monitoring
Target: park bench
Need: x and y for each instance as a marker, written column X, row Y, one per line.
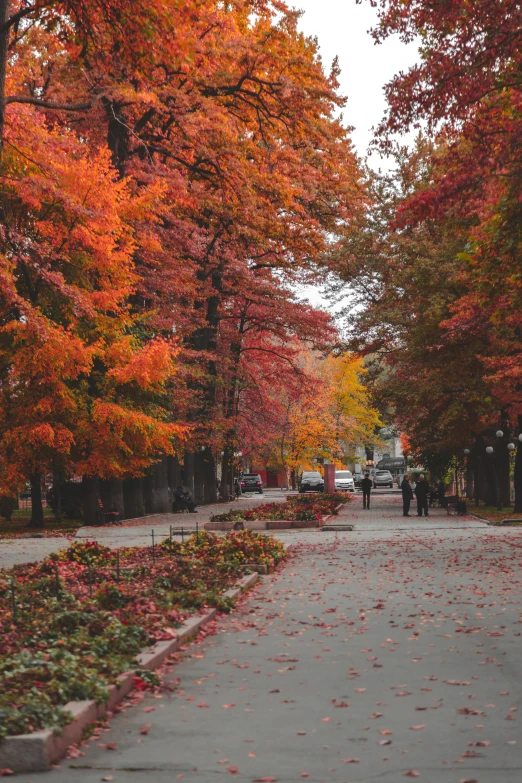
column 178, row 506
column 455, row 505
column 106, row 516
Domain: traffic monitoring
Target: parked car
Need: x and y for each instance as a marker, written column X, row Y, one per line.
column 251, row 482
column 357, row 478
column 382, row 478
column 311, row 481
column 344, row 481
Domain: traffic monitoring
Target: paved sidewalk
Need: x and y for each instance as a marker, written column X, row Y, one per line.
column 130, row 533
column 377, row 655
column 385, row 513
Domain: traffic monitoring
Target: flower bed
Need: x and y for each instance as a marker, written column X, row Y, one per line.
column 303, row 508
column 71, row 624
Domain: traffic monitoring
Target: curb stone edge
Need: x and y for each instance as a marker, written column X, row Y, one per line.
column 37, row 752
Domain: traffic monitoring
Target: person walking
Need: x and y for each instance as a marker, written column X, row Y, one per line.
column 422, row 491
column 366, row 486
column 407, row 495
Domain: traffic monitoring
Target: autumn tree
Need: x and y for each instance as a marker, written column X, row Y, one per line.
column 323, row 415
column 78, row 390
column 465, row 93
column 221, row 127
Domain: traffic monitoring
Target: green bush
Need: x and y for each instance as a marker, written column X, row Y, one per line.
column 33, row 711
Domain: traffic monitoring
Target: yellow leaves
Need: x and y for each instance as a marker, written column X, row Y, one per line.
column 331, row 415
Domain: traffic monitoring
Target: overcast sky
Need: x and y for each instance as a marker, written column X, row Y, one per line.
column 341, row 27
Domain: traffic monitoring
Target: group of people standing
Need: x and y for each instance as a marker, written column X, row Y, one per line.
column 421, row 492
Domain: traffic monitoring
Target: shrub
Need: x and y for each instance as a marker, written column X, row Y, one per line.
column 86, row 552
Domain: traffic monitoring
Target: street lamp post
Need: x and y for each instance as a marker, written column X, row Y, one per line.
column 467, row 452
column 494, row 455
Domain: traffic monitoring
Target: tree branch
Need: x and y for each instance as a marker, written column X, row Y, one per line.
column 47, row 104
column 16, row 18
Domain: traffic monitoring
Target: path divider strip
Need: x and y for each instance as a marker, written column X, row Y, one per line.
column 37, row 752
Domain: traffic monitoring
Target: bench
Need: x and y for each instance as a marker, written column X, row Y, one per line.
column 178, row 506
column 106, row 516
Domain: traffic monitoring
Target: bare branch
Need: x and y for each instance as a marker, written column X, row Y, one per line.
column 16, row 18
column 47, row 104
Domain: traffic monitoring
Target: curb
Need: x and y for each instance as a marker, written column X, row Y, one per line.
column 490, row 522
column 36, row 752
column 327, row 518
column 482, row 519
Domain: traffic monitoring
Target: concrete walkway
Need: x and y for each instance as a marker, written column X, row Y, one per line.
column 383, row 654
column 131, row 533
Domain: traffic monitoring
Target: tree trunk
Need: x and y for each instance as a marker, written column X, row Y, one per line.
column 149, row 492
column 58, row 482
column 199, row 478
column 161, row 487
column 225, row 475
column 504, row 468
column 490, row 487
column 133, row 498
column 111, row 492
column 37, row 514
column 188, row 472
column 91, row 494
column 209, row 477
column 174, row 477
column 469, row 479
column 518, row 472
column 5, row 6
column 476, row 481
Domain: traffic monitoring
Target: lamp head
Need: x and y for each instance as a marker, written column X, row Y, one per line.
column 499, row 434
column 489, row 449
column 466, row 452
column 511, row 446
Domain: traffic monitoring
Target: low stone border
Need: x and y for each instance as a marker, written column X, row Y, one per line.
column 263, row 524
column 491, row 522
column 337, row 508
column 38, row 751
column 272, row 524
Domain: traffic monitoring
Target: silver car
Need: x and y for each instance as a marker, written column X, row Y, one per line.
column 383, row 478
column 344, row 481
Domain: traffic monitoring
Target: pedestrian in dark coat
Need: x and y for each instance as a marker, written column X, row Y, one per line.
column 183, row 500
column 422, row 491
column 407, row 495
column 366, row 486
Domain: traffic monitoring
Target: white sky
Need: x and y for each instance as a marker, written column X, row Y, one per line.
column 342, row 29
